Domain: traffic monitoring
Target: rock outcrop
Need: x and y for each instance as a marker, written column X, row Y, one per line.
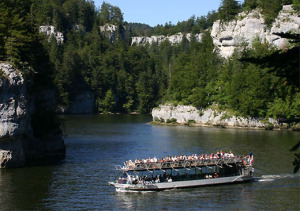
column 14, row 116
column 51, row 31
column 112, row 32
column 84, row 103
column 18, row 143
column 173, row 39
column 182, row 114
column 245, row 28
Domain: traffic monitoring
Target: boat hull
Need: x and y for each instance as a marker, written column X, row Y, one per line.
column 181, row 184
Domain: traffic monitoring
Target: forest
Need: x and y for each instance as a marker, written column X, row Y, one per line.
column 127, row 78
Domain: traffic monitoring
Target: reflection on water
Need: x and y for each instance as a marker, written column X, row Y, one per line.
column 97, row 142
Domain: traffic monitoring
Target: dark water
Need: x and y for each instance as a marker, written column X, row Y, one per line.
column 95, row 143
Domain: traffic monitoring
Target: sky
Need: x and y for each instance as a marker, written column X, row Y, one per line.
column 153, row 12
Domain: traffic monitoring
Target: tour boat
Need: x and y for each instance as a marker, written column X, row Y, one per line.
column 153, row 174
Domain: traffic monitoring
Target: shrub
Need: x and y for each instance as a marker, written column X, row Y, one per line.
column 269, row 126
column 191, row 121
column 173, row 120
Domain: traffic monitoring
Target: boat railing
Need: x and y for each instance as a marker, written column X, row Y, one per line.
column 228, row 161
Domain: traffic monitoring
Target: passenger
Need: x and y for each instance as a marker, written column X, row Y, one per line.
column 219, row 155
column 195, row 157
column 206, row 157
column 157, row 180
column 131, row 164
column 165, row 176
column 152, row 178
column 160, row 178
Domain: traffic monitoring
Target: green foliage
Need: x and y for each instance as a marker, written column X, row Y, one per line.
column 285, row 108
column 108, row 103
column 110, row 14
column 16, row 33
column 296, row 5
column 228, row 10
column 296, row 162
column 269, row 8
column 249, row 5
column 127, row 78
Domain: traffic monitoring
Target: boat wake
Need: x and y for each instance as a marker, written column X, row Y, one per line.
column 270, row 178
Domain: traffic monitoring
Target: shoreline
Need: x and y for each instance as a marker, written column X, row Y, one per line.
column 223, row 126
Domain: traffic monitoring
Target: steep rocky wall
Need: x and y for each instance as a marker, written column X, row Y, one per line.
column 173, row 39
column 84, row 103
column 245, row 28
column 14, row 116
column 183, row 114
column 17, row 141
column 227, row 36
column 51, row 31
column 112, row 32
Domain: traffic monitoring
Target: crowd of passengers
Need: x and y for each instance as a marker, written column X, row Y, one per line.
column 169, row 178
column 218, row 155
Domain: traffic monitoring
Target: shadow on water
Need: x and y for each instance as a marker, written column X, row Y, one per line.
column 47, row 161
column 25, row 188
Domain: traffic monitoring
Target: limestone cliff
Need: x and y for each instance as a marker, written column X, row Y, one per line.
column 173, row 39
column 84, row 103
column 182, row 114
column 245, row 28
column 51, row 31
column 113, row 32
column 18, row 144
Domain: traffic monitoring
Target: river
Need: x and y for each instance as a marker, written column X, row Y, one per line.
column 95, row 143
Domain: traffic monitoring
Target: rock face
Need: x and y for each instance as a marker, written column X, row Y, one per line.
column 14, row 117
column 83, row 104
column 17, row 141
column 188, row 114
column 113, row 32
column 173, row 39
column 229, row 35
column 51, row 31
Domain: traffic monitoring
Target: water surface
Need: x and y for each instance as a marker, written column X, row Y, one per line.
column 95, row 143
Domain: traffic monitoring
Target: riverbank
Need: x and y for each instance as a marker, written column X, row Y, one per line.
column 188, row 115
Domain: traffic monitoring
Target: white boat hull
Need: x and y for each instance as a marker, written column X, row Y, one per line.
column 180, row 184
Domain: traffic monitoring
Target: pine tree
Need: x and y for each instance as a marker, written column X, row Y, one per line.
column 228, row 10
